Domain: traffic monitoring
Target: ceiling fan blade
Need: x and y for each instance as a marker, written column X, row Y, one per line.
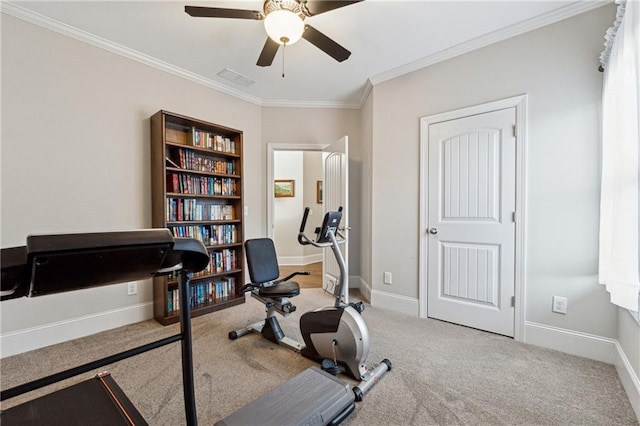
column 325, row 44
column 268, row 53
column 217, row 12
column 316, row 7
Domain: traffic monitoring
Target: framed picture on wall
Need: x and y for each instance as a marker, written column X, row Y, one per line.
column 284, row 188
column 319, row 193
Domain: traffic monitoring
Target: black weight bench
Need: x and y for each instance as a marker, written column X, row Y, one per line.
column 50, row 264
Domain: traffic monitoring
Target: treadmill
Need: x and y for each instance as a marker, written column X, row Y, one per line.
column 50, row 264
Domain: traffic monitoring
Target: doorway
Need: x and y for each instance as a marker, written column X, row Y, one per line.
column 298, row 175
column 472, row 217
column 331, row 193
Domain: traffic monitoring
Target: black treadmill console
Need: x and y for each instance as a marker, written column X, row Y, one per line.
column 330, row 224
column 65, row 262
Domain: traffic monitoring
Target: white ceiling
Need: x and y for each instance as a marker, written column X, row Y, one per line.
column 387, row 38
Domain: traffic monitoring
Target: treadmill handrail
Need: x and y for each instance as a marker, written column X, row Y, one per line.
column 51, row 254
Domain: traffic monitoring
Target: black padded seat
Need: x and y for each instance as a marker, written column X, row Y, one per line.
column 283, row 289
column 262, row 260
column 263, row 269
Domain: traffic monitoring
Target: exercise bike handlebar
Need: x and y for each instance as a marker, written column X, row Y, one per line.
column 304, row 220
column 304, row 240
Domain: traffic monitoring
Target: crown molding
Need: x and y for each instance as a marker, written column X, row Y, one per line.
column 13, row 9
column 17, row 11
column 310, row 104
column 545, row 19
column 368, row 87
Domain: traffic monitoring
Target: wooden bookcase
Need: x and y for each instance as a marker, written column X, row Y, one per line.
column 196, row 191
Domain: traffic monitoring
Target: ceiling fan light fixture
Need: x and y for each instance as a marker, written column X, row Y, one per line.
column 284, row 26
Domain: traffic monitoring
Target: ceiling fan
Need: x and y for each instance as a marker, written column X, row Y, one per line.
column 284, row 23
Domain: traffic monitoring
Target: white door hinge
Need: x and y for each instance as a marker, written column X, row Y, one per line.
column 513, row 301
column 514, row 130
column 513, row 216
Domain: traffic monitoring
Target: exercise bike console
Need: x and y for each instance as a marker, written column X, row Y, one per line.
column 330, row 225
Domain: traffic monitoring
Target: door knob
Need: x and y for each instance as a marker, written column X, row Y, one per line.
column 433, row 231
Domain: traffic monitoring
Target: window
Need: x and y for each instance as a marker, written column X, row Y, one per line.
column 619, row 224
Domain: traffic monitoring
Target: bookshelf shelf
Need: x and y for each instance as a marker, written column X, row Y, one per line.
column 181, row 195
column 206, row 150
column 196, row 179
column 194, row 278
column 197, row 172
column 206, row 308
column 201, row 222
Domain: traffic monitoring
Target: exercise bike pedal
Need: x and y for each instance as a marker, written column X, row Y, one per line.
column 357, row 306
column 330, row 367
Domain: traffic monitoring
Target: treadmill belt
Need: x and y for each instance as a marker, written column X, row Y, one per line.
column 313, row 397
column 98, row 402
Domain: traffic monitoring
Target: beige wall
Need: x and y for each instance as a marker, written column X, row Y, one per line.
column 287, row 210
column 556, row 66
column 75, row 152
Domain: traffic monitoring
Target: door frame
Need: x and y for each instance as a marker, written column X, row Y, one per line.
column 520, row 104
column 271, row 149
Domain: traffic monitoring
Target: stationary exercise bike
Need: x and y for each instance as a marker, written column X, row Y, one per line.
column 336, row 336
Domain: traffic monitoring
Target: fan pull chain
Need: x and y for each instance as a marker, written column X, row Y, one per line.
column 283, row 49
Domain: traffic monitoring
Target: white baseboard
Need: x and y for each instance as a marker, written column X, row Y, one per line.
column 50, row 334
column 571, row 342
column 588, row 346
column 629, row 379
column 299, row 260
column 356, row 282
column 395, row 302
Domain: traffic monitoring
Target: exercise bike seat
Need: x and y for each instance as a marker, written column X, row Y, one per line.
column 262, row 262
column 283, row 289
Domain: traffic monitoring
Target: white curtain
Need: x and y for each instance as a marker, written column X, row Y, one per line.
column 619, row 221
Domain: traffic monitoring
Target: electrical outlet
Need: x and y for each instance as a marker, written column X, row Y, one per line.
column 559, row 305
column 387, row 278
column 132, row 288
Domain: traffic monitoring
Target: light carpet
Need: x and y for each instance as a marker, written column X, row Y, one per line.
column 443, row 374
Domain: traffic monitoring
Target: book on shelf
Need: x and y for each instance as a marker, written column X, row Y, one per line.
column 202, row 162
column 210, row 235
column 173, row 182
column 203, row 293
column 223, row 261
column 201, row 185
column 202, row 139
column 191, row 209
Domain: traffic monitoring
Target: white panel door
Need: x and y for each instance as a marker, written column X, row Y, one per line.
column 336, row 195
column 471, row 229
